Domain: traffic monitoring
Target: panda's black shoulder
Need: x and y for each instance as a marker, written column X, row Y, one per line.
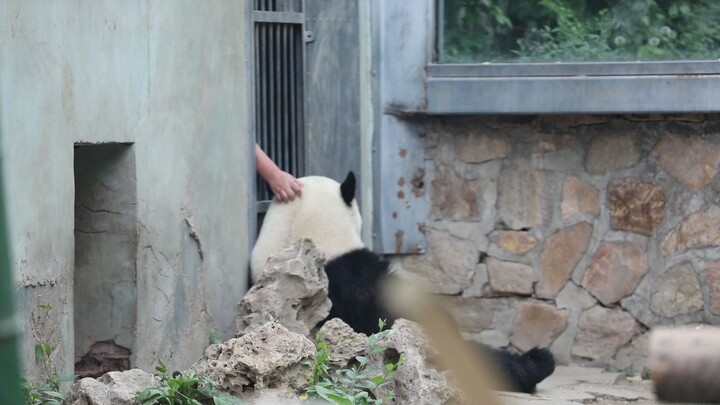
column 354, row 280
column 359, row 262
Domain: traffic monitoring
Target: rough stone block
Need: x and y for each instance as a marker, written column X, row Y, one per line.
column 637, row 206
column 551, row 143
column 537, row 324
column 509, row 277
column 269, row 356
column 343, row 342
column 608, row 153
column 561, row 253
column 602, row 332
column 579, row 197
column 698, row 231
column 525, row 197
column 615, row 271
column 676, row 292
column 695, row 167
column 113, row 388
column 474, row 148
column 517, row 242
column 472, row 315
column 292, row 289
column 454, row 198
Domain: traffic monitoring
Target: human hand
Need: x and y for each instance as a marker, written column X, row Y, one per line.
column 285, row 186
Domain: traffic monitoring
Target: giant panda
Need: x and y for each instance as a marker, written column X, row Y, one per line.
column 327, row 213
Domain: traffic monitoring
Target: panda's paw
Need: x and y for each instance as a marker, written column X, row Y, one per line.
column 542, row 361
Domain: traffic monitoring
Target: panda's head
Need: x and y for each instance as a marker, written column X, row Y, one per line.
column 327, row 212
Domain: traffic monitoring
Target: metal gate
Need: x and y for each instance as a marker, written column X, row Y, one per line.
column 279, row 87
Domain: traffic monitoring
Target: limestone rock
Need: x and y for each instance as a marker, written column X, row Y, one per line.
column 509, row 277
column 676, row 292
column 608, row 153
column 713, row 280
column 615, row 271
column 637, row 206
column 561, row 253
column 292, row 289
column 699, row 230
column 269, row 356
column 537, row 324
column 602, row 332
column 516, row 242
column 113, row 388
column 418, row 380
column 695, row 167
column 343, row 342
column 579, row 197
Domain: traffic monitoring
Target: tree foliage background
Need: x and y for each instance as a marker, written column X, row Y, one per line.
column 579, row 30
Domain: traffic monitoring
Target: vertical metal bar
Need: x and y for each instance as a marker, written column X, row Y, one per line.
column 278, row 97
column 285, row 99
column 265, row 99
column 272, row 82
column 258, row 95
column 291, row 99
column 276, row 94
column 301, row 97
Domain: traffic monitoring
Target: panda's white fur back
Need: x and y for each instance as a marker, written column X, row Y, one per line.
column 335, row 232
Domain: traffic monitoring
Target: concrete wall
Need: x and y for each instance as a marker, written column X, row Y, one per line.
column 170, row 78
column 579, row 233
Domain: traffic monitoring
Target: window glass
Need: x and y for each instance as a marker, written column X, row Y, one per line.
column 577, row 30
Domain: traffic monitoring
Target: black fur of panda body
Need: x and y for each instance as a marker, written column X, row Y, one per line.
column 354, row 281
column 328, row 214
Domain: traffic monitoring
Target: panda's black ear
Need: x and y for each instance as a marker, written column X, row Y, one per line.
column 347, row 188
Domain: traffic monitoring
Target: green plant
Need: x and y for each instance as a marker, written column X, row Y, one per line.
column 46, row 391
column 579, row 30
column 183, row 388
column 357, row 384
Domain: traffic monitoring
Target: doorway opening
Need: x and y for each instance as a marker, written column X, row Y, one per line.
column 105, row 282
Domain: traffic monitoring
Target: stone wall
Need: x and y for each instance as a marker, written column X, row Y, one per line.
column 575, row 232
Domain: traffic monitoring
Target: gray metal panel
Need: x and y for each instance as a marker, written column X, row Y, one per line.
column 332, row 88
column 597, row 94
column 401, row 48
column 575, row 69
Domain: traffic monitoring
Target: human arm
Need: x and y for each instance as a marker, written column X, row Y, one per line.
column 283, row 184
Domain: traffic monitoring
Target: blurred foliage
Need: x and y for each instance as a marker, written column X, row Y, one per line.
column 579, row 30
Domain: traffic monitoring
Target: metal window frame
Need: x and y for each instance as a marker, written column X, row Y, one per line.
column 568, row 88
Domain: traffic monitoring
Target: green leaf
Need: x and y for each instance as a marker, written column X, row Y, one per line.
column 226, row 399
column 339, row 400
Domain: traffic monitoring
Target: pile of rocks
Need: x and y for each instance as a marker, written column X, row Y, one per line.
column 270, row 359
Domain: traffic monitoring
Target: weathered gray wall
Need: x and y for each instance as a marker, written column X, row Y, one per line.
column 574, row 232
column 170, row 78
